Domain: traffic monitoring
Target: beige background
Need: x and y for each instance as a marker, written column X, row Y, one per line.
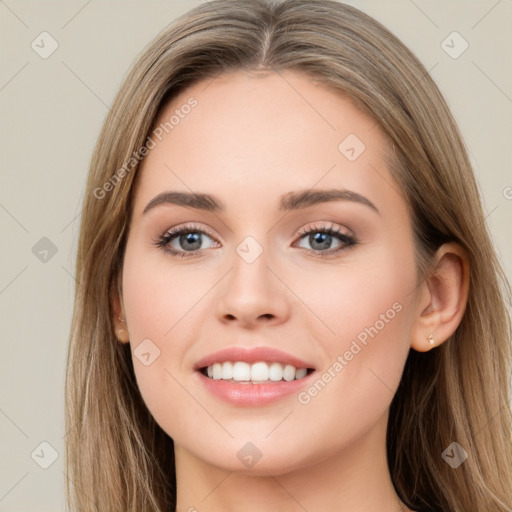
column 51, row 112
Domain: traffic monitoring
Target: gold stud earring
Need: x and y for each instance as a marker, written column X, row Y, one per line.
column 430, row 339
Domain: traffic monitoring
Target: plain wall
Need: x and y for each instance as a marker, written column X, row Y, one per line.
column 51, row 113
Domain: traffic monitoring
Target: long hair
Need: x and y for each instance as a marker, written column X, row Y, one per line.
column 118, row 458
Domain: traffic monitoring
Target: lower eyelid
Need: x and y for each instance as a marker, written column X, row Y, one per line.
column 334, row 233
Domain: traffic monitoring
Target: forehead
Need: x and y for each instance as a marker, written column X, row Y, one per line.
column 262, row 134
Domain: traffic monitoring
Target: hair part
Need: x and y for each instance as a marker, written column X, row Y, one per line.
column 117, row 457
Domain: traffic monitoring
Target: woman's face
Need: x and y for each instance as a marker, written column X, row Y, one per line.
column 261, row 279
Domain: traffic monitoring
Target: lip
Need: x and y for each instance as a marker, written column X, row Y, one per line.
column 251, row 355
column 252, row 395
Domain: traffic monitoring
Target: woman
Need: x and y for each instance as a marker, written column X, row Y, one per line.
column 288, row 298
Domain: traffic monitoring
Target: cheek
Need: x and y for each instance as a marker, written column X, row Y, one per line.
column 156, row 298
column 369, row 310
column 157, row 295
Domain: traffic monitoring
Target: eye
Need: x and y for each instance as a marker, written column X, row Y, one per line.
column 187, row 241
column 183, row 241
column 321, row 238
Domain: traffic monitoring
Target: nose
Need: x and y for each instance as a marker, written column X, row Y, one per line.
column 253, row 295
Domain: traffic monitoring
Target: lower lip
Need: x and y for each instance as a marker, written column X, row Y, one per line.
column 253, row 395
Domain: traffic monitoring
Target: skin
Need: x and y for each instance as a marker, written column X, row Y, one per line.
column 250, row 139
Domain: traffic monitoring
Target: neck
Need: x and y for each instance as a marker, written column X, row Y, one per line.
column 355, row 478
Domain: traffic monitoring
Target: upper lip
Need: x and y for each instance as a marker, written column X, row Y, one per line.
column 251, row 355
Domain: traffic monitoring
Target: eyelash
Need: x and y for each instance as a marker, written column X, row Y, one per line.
column 164, row 240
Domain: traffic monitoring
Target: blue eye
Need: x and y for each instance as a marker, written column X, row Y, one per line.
column 186, row 241
column 321, row 239
column 188, row 238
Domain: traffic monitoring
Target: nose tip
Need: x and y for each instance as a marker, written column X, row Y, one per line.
column 252, row 295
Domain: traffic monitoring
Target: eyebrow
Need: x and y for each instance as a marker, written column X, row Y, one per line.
column 289, row 201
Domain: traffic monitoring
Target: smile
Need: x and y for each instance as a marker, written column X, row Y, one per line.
column 260, row 372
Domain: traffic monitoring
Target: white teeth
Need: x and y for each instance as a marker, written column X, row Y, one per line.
column 289, row 372
column 275, row 372
column 261, row 371
column 217, row 371
column 241, row 371
column 227, row 370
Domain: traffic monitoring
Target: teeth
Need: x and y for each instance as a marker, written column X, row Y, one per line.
column 241, row 371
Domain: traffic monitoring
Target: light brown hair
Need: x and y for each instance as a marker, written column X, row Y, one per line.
column 118, row 458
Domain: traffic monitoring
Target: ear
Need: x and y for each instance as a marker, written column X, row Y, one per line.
column 442, row 299
column 119, row 319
